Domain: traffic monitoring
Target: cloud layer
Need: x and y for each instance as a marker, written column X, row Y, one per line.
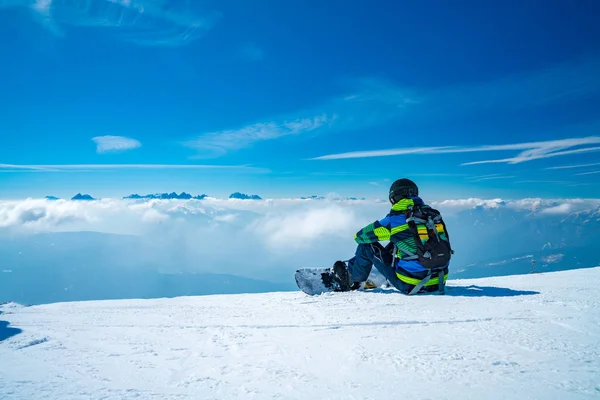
column 289, row 222
column 265, row 239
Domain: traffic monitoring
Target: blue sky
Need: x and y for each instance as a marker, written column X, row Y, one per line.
column 296, row 98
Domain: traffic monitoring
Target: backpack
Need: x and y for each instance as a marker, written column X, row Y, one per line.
column 432, row 243
column 431, row 236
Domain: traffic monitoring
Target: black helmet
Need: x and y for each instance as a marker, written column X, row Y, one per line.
column 401, row 189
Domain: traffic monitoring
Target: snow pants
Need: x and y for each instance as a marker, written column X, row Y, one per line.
column 374, row 254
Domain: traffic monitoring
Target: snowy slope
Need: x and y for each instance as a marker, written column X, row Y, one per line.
column 540, row 339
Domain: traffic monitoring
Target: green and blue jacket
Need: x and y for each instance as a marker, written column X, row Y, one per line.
column 394, row 228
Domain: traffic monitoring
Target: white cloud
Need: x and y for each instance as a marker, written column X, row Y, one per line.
column 107, row 144
column 546, row 151
column 436, row 174
column 154, row 216
column 218, row 143
column 588, row 173
column 541, row 181
column 531, row 151
column 564, row 208
column 553, row 258
column 456, row 205
column 482, row 176
column 83, row 167
column 383, row 153
column 143, row 22
column 527, row 204
column 300, row 229
column 487, row 178
column 574, row 166
column 40, row 214
column 42, row 6
column 226, row 217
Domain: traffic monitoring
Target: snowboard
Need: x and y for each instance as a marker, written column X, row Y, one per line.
column 314, row 281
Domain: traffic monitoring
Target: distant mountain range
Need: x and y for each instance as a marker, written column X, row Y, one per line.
column 80, row 196
column 243, row 196
column 335, row 198
column 167, row 196
column 164, row 196
column 187, row 196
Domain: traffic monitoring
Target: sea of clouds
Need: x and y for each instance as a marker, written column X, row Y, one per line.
column 266, row 239
column 291, row 222
column 260, row 239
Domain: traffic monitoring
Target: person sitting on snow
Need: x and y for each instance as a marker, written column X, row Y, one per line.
column 418, row 252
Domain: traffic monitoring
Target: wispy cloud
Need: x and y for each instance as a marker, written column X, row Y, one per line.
column 76, row 167
column 487, row 178
column 554, row 85
column 107, row 144
column 371, row 102
column 338, row 173
column 531, row 151
column 574, row 166
column 383, row 153
column 144, row 22
column 557, row 84
column 540, row 150
column 541, row 181
column 217, row 143
column 588, row 173
column 436, row 174
column 481, row 176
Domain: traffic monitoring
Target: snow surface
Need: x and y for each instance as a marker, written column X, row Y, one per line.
column 517, row 337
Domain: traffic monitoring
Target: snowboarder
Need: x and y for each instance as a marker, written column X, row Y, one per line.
column 406, row 262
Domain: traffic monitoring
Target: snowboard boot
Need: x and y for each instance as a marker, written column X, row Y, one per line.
column 342, row 276
column 370, row 285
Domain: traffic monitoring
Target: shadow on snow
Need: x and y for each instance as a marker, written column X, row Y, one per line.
column 486, row 291
column 468, row 291
column 6, row 332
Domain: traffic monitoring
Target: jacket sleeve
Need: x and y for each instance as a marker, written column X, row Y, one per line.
column 374, row 232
